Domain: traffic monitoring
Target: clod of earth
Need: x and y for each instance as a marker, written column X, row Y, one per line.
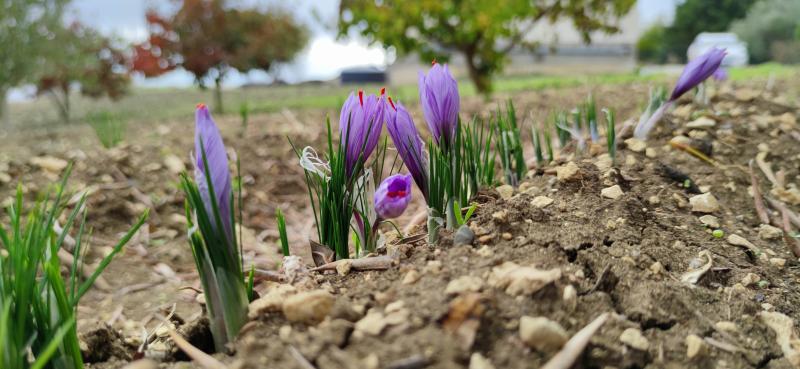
column 521, row 280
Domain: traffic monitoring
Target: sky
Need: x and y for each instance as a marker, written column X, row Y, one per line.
column 324, row 57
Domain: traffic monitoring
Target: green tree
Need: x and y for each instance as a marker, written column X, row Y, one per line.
column 208, row 39
column 80, row 56
column 483, row 32
column 695, row 16
column 27, row 27
column 768, row 24
column 650, row 47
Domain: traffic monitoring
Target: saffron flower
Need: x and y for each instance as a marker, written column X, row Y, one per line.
column 438, row 95
column 209, row 140
column 720, row 75
column 392, row 196
column 408, row 142
column 695, row 72
column 360, row 124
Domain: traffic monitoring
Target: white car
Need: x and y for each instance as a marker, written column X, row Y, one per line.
column 736, row 55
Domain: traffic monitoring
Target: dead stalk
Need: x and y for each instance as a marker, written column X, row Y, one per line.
column 201, row 358
column 790, row 241
column 758, row 201
column 765, row 168
column 373, row 263
column 575, row 346
column 793, row 217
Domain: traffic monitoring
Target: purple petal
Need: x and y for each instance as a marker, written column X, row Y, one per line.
column 392, row 196
column 360, row 125
column 217, row 159
column 697, row 71
column 409, row 145
column 440, row 101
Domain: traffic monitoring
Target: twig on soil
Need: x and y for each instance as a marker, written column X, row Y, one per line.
column 694, row 152
column 300, row 358
column 373, row 263
column 150, row 336
column 575, row 346
column 413, row 362
column 87, row 270
column 268, row 275
column 759, row 202
column 599, row 280
column 790, row 241
column 725, row 346
column 765, row 167
column 793, row 217
column 199, row 357
column 138, row 287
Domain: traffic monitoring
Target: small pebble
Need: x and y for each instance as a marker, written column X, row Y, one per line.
column 464, row 236
column 710, row 221
column 695, row 346
column 614, row 192
column 411, row 277
column 507, row 236
column 542, row 334
column 633, row 337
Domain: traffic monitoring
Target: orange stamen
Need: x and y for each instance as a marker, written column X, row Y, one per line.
column 383, row 91
column 201, row 105
column 433, row 62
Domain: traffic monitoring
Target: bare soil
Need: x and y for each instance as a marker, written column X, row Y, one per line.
column 625, row 256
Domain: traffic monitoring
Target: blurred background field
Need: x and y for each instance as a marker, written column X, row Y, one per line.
column 144, row 106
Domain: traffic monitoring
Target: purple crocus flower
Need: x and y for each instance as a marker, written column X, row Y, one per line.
column 206, row 131
column 695, row 72
column 438, row 95
column 720, row 75
column 360, row 125
column 409, row 144
column 392, row 196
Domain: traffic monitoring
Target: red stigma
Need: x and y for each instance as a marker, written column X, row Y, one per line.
column 392, row 103
column 361, row 97
column 383, row 91
column 433, row 62
column 201, row 105
column 400, row 193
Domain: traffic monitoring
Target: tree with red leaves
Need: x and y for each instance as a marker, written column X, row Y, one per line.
column 208, row 39
column 81, row 56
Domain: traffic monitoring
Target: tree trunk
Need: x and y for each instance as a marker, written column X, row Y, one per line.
column 218, row 108
column 65, row 113
column 480, row 78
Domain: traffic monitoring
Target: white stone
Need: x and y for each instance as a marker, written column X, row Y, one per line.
column 505, row 191
column 695, row 346
column 541, row 201
column 710, row 221
column 635, row 144
column 411, row 277
column 308, row 307
column 736, row 240
column 49, row 163
column 705, row 203
column 463, row 284
column 633, row 337
column 521, row 280
column 477, row 361
column 174, row 164
column 542, row 334
column 567, row 171
column 702, row 122
column 613, row 192
column 768, row 232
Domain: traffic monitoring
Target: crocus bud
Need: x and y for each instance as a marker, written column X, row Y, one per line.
column 392, row 196
column 208, row 139
column 697, row 71
column 360, row 125
column 409, row 144
column 438, row 95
